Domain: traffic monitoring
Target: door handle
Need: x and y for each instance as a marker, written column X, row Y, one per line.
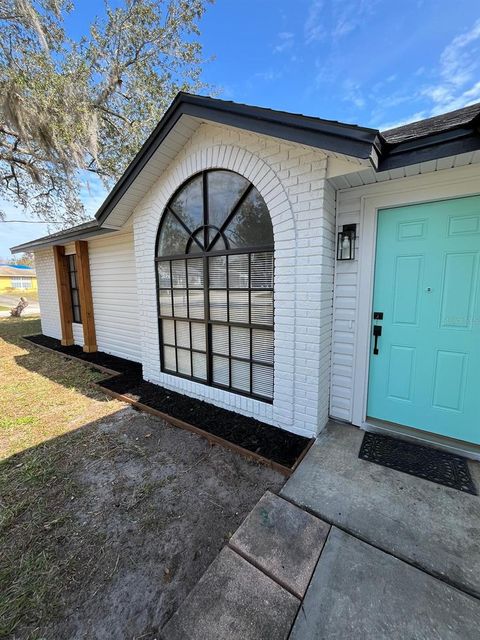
column 377, row 332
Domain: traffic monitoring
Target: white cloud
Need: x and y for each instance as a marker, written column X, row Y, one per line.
column 352, row 93
column 287, row 40
column 454, row 83
column 267, row 76
column 385, row 126
column 458, row 73
column 313, row 28
column 348, row 16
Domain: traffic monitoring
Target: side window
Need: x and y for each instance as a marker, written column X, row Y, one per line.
column 72, row 271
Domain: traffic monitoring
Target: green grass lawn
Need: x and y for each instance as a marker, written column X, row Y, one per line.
column 43, row 398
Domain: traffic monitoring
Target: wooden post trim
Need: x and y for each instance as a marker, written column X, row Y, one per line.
column 64, row 299
column 85, row 295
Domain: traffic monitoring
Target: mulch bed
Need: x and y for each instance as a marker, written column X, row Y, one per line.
column 271, row 443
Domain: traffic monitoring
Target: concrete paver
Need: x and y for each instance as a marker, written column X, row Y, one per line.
column 359, row 592
column 233, row 601
column 283, row 540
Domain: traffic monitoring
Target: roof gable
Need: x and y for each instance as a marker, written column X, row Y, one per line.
column 438, row 137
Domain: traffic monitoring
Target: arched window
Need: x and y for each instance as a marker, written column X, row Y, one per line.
column 215, row 284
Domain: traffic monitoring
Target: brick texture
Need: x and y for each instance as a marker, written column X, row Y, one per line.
column 301, row 201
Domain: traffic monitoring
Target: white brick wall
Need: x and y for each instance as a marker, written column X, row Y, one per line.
column 291, row 178
column 47, row 293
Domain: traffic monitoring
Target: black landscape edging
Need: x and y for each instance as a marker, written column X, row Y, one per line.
column 279, row 446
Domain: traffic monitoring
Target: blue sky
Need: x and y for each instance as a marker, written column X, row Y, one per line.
column 377, row 63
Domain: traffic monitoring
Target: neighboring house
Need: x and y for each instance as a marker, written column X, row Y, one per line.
column 251, row 257
column 17, row 279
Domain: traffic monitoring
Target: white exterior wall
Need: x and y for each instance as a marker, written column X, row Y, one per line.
column 352, row 313
column 114, row 291
column 47, row 293
column 291, row 178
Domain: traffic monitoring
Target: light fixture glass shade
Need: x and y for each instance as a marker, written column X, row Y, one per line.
column 346, row 242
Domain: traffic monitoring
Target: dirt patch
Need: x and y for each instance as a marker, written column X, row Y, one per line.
column 110, row 527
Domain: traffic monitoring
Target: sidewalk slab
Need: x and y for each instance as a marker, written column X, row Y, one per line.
column 360, row 592
column 282, row 540
column 431, row 526
column 233, row 600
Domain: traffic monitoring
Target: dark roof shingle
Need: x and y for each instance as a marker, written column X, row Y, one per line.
column 430, row 126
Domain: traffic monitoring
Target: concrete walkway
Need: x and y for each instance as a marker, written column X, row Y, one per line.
column 359, row 592
column 348, row 568
column 428, row 525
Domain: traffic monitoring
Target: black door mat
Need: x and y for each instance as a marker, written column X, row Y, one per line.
column 279, row 446
column 417, row 460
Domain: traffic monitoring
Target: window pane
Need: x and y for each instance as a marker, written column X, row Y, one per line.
column 262, row 345
column 224, row 191
column 180, row 303
column 164, row 274
column 169, row 358
column 221, row 370
column 218, row 305
column 238, row 271
column 184, row 363
column 195, row 273
column 194, row 247
column 251, row 226
column 75, row 298
column 262, row 307
column 198, row 336
column 262, row 380
column 239, row 290
column 199, row 365
column 220, row 339
column 179, row 274
column 183, row 334
column 196, row 304
column 219, row 244
column 168, row 332
column 188, row 204
column 217, row 272
column 240, row 342
column 165, row 296
column 262, row 270
column 238, row 306
column 241, row 375
column 173, row 237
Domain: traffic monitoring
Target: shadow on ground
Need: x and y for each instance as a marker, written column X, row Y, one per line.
column 57, row 368
column 106, row 530
column 108, row 517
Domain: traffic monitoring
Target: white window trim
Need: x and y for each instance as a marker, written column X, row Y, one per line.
column 25, row 282
column 443, row 185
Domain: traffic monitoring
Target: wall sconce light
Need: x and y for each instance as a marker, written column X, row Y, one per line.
column 346, row 242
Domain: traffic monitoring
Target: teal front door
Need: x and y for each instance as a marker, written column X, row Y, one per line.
column 426, row 373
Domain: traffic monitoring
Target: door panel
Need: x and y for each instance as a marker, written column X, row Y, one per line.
column 427, row 372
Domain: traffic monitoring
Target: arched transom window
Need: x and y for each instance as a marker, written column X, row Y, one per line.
column 215, row 284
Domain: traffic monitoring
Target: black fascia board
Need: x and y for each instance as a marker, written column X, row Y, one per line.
column 430, row 147
column 61, row 238
column 341, row 138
